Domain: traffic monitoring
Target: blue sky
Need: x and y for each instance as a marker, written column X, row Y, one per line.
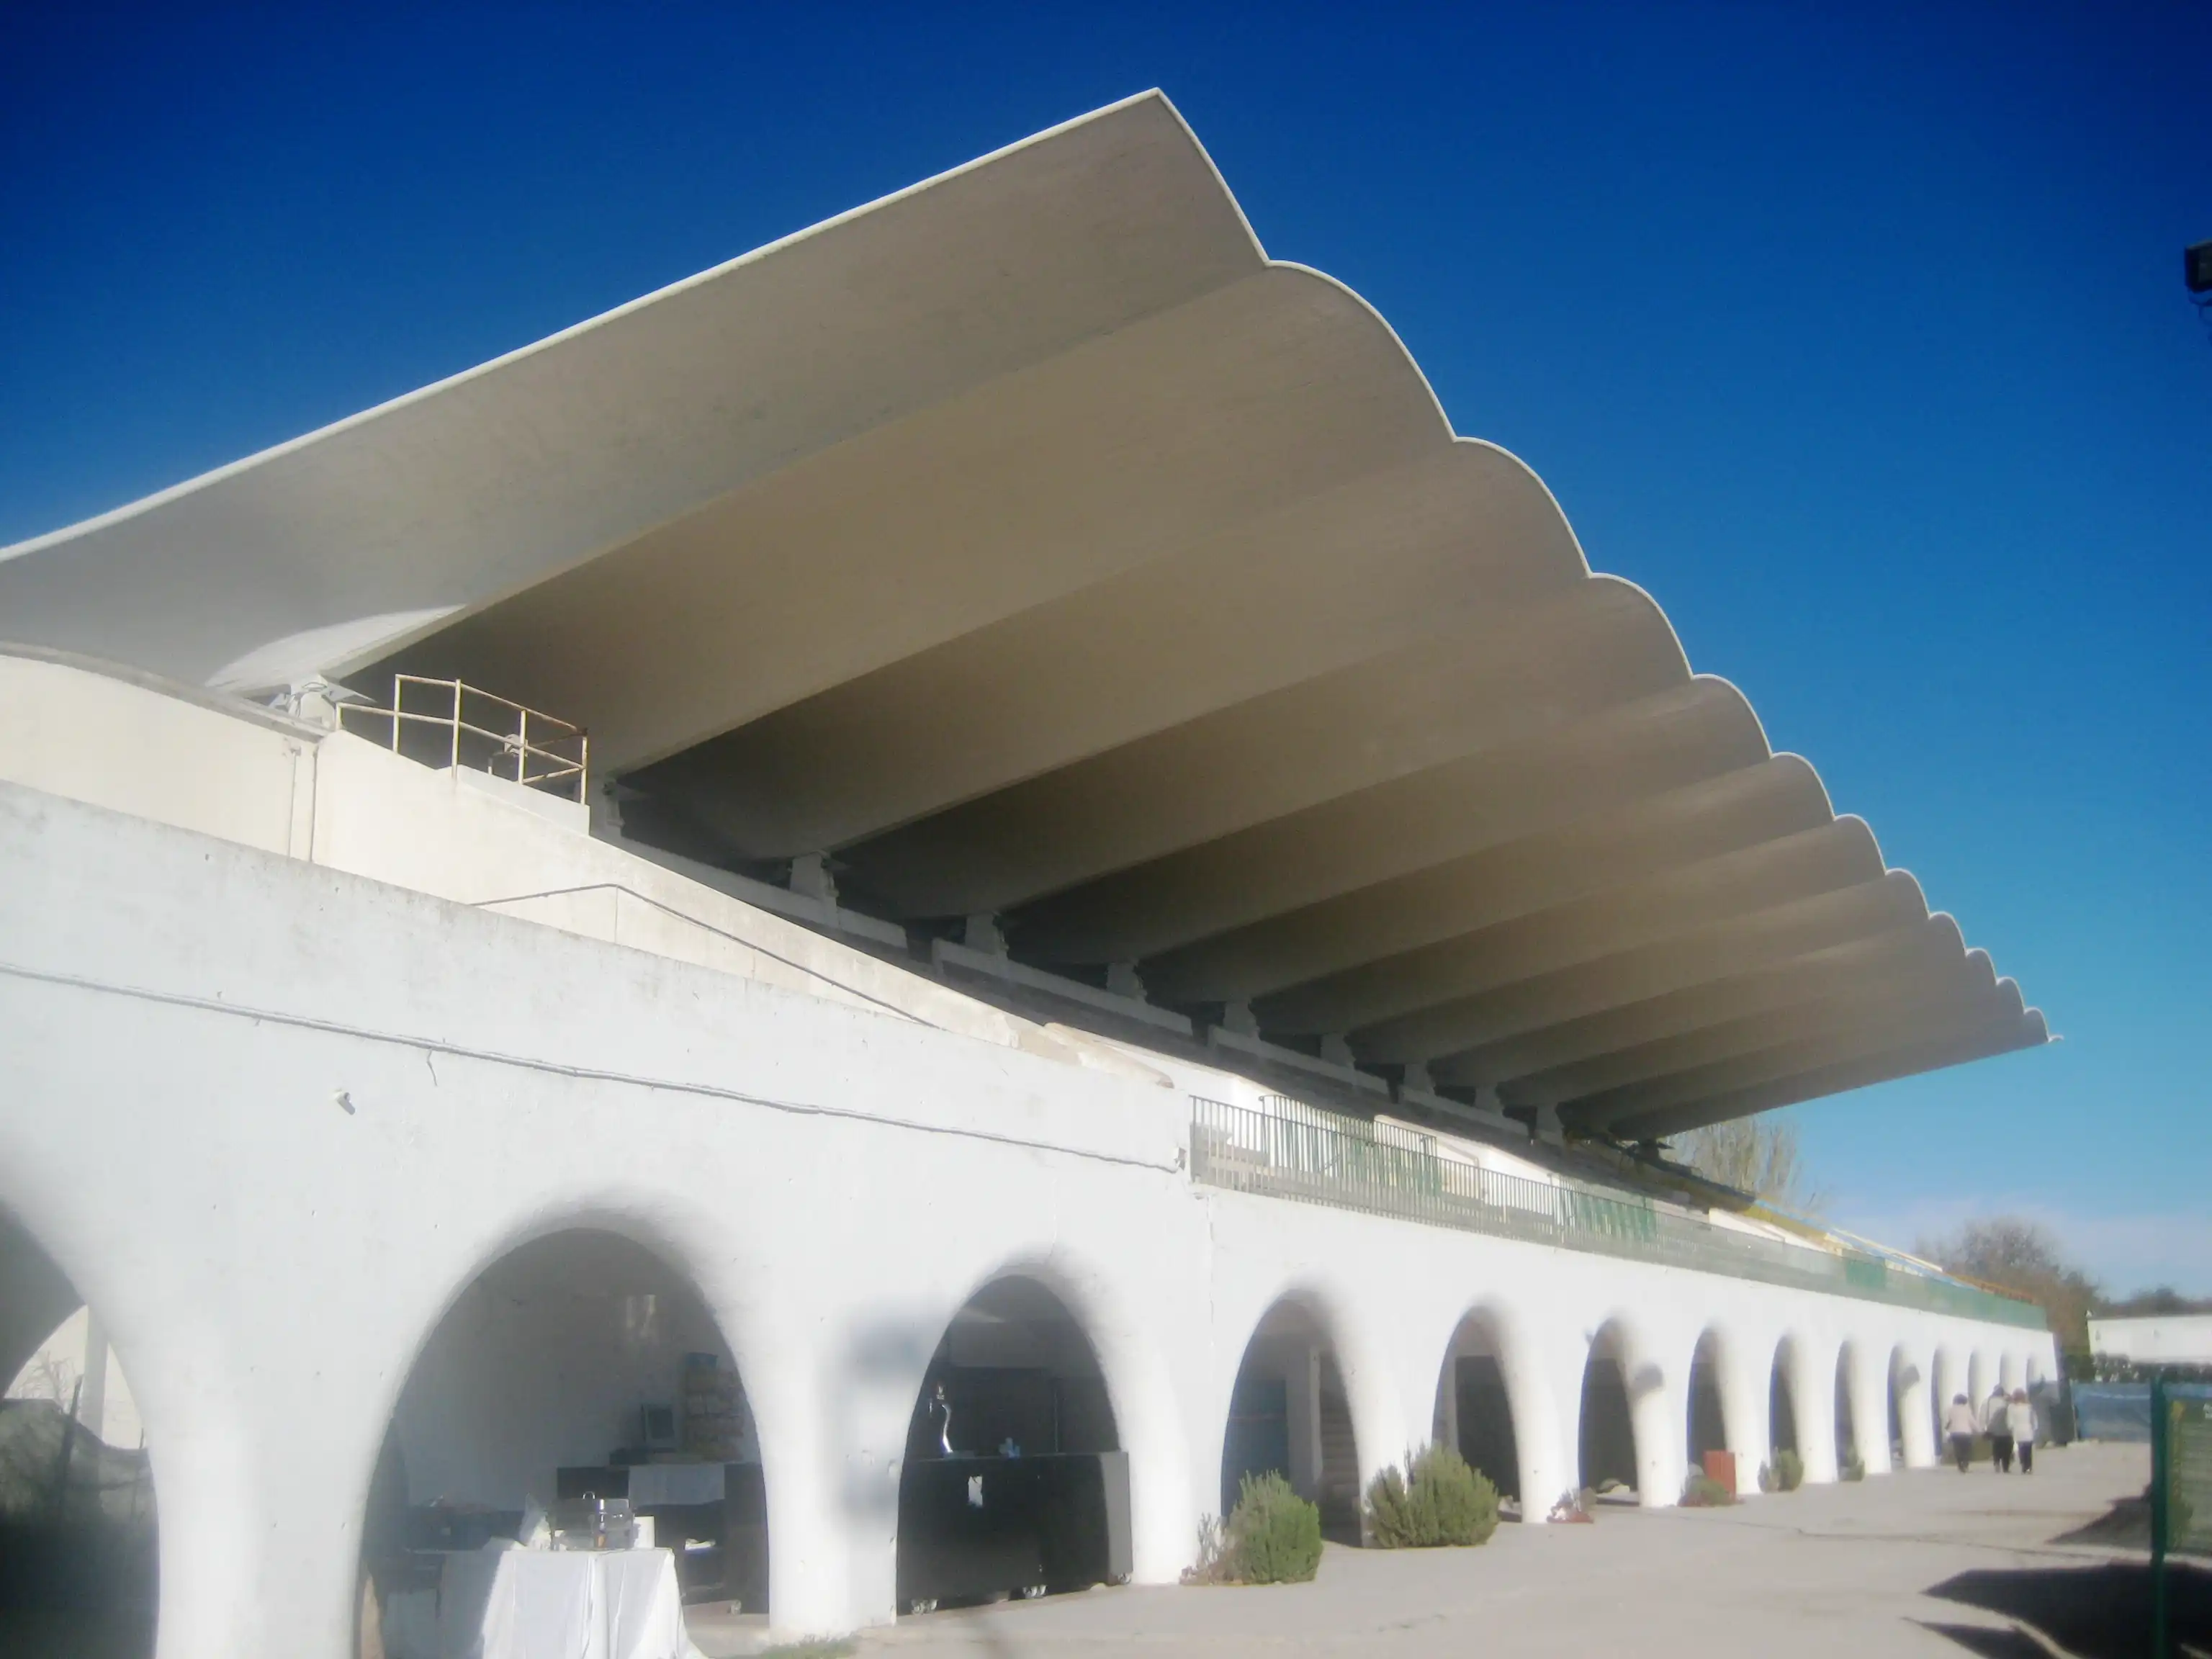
column 1857, row 335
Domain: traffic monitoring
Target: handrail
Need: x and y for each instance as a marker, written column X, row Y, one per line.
column 1314, row 1156
column 562, row 751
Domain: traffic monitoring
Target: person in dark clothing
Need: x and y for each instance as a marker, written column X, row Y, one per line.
column 1996, row 1423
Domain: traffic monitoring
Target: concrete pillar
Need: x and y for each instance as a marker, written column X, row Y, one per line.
column 1743, row 1370
column 1915, row 1413
column 811, row 878
column 1867, row 1384
column 1658, row 1409
column 1301, row 1381
column 2012, row 1372
column 1547, row 1411
column 833, row 1439
column 1811, row 1382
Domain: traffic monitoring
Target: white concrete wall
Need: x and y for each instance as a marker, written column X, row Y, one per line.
column 273, row 1119
column 2158, row 1338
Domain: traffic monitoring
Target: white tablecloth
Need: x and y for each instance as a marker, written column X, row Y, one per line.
column 562, row 1604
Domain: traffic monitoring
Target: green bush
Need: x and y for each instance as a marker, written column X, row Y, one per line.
column 1442, row 1503
column 1854, row 1466
column 1273, row 1536
column 1788, row 1471
column 1702, row 1491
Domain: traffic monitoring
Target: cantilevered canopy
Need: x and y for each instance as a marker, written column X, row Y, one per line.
column 1030, row 544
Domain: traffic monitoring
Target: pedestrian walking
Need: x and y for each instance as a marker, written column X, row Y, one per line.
column 2019, row 1418
column 1962, row 1425
column 1996, row 1423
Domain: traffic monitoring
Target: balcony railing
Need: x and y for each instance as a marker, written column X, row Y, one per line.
column 446, row 723
column 1315, row 1157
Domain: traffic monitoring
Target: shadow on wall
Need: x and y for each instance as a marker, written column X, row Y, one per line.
column 2095, row 1613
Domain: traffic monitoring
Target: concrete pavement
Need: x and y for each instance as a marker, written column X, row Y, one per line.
column 1825, row 1572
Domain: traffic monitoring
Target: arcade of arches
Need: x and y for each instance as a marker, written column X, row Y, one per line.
column 583, row 1361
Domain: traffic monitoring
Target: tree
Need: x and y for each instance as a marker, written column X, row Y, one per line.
column 2018, row 1255
column 1755, row 1155
column 2144, row 1304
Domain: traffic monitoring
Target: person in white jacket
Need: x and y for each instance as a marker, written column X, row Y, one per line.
column 1962, row 1425
column 2019, row 1419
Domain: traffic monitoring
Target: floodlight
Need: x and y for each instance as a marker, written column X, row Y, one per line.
column 2197, row 267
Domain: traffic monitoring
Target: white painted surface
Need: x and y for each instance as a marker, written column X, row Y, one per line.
column 2168, row 1338
column 273, row 1117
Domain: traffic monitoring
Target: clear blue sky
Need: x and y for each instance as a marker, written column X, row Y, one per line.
column 1856, row 335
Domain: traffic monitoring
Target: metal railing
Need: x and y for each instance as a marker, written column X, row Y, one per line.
column 464, row 726
column 1293, row 1151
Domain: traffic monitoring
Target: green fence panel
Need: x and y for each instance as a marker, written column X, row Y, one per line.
column 1290, row 1149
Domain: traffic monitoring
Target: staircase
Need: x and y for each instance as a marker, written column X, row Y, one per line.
column 1339, row 1463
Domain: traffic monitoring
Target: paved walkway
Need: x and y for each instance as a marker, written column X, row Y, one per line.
column 1837, row 1570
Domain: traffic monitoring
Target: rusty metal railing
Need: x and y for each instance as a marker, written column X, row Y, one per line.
column 464, row 726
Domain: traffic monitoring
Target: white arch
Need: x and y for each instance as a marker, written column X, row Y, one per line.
column 1742, row 1404
column 1520, row 1363
column 1657, row 1399
column 1140, row 1393
column 1379, row 1431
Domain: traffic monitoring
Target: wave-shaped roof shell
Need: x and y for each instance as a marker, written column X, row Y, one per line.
column 1031, row 545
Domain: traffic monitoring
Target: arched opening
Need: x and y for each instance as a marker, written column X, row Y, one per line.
column 578, row 1370
column 1911, row 1420
column 1951, row 1381
column 1288, row 1411
column 1014, row 1482
column 1708, row 1426
column 80, row 1537
column 1781, row 1409
column 1608, row 1440
column 1474, row 1409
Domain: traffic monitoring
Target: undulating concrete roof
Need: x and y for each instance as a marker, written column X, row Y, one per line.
column 1031, row 543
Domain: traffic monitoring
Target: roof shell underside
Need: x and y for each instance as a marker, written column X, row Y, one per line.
column 1030, row 544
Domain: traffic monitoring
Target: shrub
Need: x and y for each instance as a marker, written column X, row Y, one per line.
column 1854, row 1466
column 1702, row 1491
column 1273, row 1536
column 1213, row 1566
column 1766, row 1477
column 1788, row 1471
column 1441, row 1502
